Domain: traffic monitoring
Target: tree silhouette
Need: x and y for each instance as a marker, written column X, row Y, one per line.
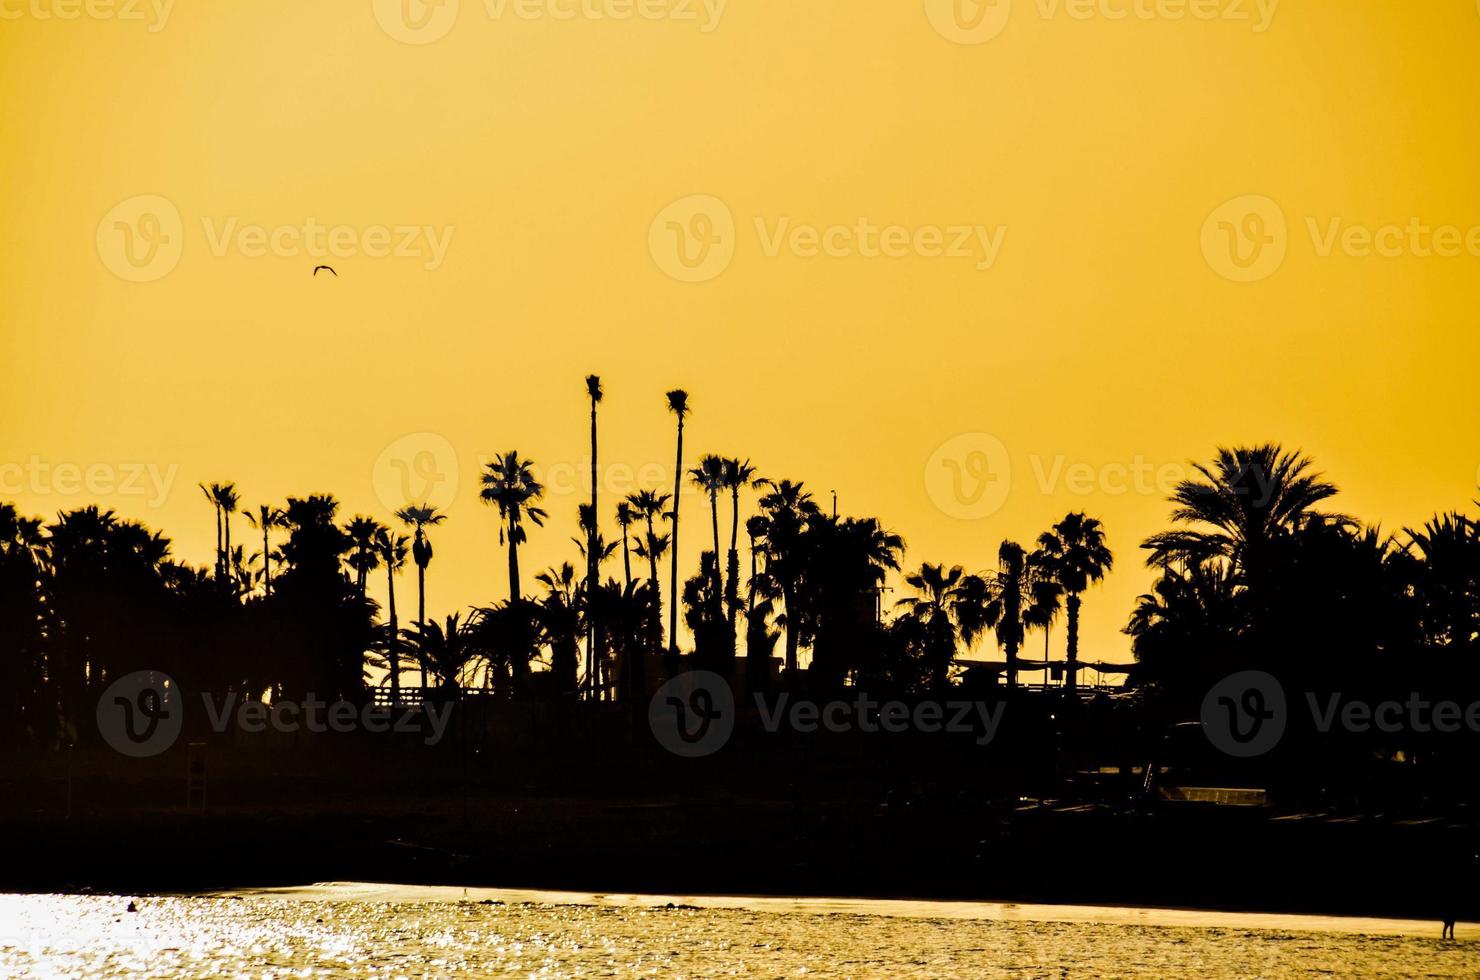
column 593, row 572
column 1012, row 590
column 266, row 519
column 392, row 548
column 561, row 620
column 626, row 517
column 652, row 547
column 737, row 475
column 365, row 558
column 509, row 485
column 420, row 517
column 1246, row 499
column 787, row 508
column 1073, row 556
column 678, row 404
column 951, row 609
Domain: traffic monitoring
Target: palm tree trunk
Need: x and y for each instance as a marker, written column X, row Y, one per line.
column 515, row 594
column 655, row 640
column 592, row 570
column 788, row 598
column 1072, row 606
column 626, row 563
column 732, row 565
column 518, row 662
column 714, row 522
column 750, row 590
column 421, row 615
column 266, row 562
column 673, row 564
column 220, row 555
column 390, row 582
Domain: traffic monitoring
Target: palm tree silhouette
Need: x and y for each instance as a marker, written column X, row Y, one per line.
column 420, row 517
column 392, row 549
column 509, row 485
column 951, row 609
column 212, row 493
column 1074, row 556
column 626, row 517
column 737, row 474
column 560, row 619
column 1246, row 500
column 678, row 404
column 1447, row 580
column 445, row 651
column 593, row 573
column 1011, row 591
column 265, row 519
column 594, row 550
column 651, row 504
column 788, row 508
column 224, row 498
column 228, row 499
column 709, row 476
column 365, row 556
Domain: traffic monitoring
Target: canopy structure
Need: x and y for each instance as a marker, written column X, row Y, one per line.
column 1032, row 666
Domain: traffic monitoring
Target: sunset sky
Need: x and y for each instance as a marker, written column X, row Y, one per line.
column 924, row 253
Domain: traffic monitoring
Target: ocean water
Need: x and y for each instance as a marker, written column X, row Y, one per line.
column 365, row 930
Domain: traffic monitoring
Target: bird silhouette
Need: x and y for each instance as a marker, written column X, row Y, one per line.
column 325, row 268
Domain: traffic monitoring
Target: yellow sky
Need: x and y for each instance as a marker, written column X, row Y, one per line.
column 1089, row 325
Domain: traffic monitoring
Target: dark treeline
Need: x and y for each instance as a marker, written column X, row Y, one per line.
column 1256, row 573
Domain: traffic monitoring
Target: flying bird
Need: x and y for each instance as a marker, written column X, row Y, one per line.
column 324, row 268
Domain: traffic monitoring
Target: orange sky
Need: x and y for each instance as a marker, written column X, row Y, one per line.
column 1068, row 257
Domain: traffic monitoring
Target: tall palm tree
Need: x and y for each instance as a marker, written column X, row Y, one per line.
column 265, row 519
column 950, row 609
column 1075, row 556
column 224, row 497
column 420, row 517
column 593, row 573
column 678, row 404
column 709, row 476
column 509, row 485
column 651, row 504
column 1012, row 589
column 737, row 475
column 392, row 549
column 788, row 509
column 228, row 499
column 212, row 493
column 364, row 557
column 626, row 517
column 755, row 527
column 1246, row 499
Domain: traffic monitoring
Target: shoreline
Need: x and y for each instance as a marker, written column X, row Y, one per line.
column 1150, row 916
